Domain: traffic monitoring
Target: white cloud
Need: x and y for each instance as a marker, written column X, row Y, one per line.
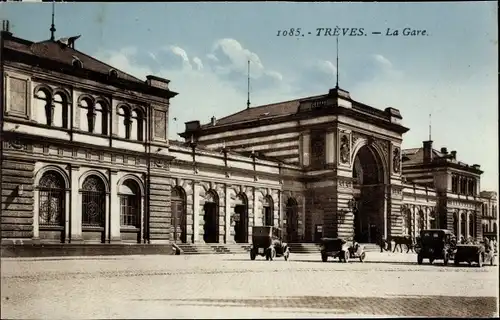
column 153, row 56
column 212, row 57
column 382, row 61
column 327, row 67
column 198, row 63
column 181, row 53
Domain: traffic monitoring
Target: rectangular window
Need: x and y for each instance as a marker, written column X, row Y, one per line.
column 318, row 145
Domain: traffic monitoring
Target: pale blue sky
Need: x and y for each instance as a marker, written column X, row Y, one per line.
column 203, row 47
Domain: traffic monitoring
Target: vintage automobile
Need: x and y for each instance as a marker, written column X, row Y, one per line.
column 470, row 253
column 357, row 251
column 436, row 244
column 267, row 242
column 336, row 248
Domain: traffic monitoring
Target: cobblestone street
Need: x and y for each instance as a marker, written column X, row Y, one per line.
column 232, row 286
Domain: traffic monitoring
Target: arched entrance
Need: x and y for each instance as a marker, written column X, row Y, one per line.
column 93, row 208
column 241, row 219
column 211, row 218
column 130, row 211
column 292, row 221
column 178, row 205
column 369, row 210
column 51, row 211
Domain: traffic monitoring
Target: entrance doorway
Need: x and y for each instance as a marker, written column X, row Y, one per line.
column 241, row 221
column 210, row 217
column 369, row 211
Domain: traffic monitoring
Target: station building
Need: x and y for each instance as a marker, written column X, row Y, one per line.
column 86, row 158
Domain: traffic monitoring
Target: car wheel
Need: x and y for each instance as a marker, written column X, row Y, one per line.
column 362, row 257
column 286, row 255
column 324, row 257
column 492, row 260
column 267, row 255
column 446, row 259
column 456, row 262
column 431, row 260
column 252, row 255
column 480, row 260
column 420, row 259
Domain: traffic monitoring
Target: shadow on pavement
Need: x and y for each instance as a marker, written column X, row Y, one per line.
column 408, row 306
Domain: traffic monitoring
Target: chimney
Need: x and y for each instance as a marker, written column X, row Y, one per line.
column 213, row 121
column 5, row 27
column 427, row 151
column 444, row 150
column 476, row 166
column 453, row 155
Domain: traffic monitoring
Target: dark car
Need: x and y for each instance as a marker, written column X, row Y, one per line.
column 336, row 248
column 436, row 244
column 471, row 253
column 268, row 242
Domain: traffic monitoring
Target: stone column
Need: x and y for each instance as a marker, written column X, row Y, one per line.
column 196, row 211
column 114, row 217
column 255, row 206
column 76, row 206
column 228, row 215
column 385, row 213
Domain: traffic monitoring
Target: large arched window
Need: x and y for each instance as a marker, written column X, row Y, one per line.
column 471, row 225
column 463, row 224
column 178, row 207
column 130, row 204
column 51, row 199
column 44, row 108
column 93, row 202
column 60, row 111
column 267, row 211
column 124, row 122
column 455, row 223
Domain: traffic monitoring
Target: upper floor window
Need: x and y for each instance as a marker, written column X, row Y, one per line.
column 93, row 116
column 51, row 110
column 317, row 148
column 131, row 123
column 454, row 184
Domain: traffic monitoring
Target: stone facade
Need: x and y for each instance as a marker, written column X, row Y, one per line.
column 87, row 158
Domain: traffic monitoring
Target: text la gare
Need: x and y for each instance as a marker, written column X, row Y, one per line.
column 406, row 32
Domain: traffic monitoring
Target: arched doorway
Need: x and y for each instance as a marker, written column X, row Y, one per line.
column 51, row 206
column 369, row 209
column 130, row 211
column 241, row 219
column 93, row 208
column 211, row 218
column 267, row 211
column 178, row 207
column 455, row 224
column 292, row 221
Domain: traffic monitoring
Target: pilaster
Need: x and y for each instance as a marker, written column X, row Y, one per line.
column 76, row 212
column 114, row 208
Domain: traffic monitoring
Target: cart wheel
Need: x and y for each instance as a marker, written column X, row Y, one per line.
column 420, row 259
column 362, row 257
column 252, row 255
column 324, row 257
column 446, row 259
column 480, row 260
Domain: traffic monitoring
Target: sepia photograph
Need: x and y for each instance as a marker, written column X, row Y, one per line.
column 249, row 160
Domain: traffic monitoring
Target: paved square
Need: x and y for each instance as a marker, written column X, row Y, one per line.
column 232, row 286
